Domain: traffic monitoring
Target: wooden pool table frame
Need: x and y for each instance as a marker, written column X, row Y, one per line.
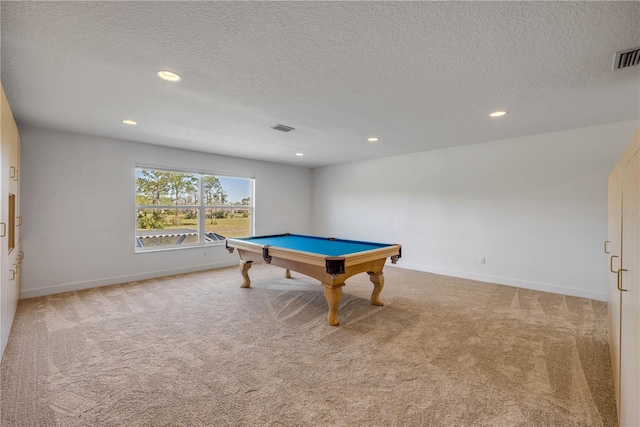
column 316, row 266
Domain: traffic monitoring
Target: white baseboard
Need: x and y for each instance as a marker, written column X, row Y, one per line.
column 536, row 286
column 78, row 286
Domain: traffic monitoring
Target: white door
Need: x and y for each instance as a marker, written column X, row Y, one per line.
column 613, row 248
column 630, row 281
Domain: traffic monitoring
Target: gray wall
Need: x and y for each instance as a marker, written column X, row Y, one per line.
column 532, row 207
column 78, row 198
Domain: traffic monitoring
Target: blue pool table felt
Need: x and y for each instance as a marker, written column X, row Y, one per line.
column 316, row 245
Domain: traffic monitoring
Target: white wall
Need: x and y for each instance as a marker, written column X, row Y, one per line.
column 78, row 197
column 534, row 207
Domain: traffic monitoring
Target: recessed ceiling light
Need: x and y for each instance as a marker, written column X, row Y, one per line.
column 497, row 114
column 129, row 122
column 372, row 139
column 299, row 154
column 169, row 76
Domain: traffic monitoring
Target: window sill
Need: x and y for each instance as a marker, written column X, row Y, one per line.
column 174, row 248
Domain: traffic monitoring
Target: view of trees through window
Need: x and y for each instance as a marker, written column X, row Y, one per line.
column 175, row 209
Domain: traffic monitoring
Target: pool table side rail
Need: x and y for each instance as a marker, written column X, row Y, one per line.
column 315, row 259
column 379, row 244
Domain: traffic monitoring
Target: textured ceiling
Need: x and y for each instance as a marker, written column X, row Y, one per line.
column 418, row 75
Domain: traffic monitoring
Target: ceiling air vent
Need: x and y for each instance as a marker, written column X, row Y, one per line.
column 283, row 128
column 627, row 58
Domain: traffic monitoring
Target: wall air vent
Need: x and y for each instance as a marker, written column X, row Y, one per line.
column 283, row 128
column 627, row 58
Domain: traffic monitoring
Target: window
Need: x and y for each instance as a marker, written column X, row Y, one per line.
column 177, row 209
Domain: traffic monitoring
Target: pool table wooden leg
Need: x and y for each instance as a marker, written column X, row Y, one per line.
column 333, row 295
column 244, row 270
column 378, row 283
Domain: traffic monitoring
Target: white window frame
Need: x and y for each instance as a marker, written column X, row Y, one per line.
column 201, row 207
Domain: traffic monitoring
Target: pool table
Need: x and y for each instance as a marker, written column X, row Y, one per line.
column 327, row 259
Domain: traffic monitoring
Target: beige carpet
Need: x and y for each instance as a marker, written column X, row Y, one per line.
column 196, row 350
